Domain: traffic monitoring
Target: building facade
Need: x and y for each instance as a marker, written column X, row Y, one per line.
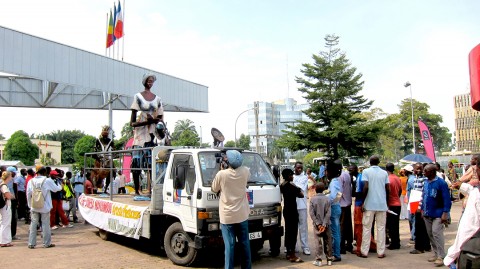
column 467, row 135
column 267, row 120
column 46, row 149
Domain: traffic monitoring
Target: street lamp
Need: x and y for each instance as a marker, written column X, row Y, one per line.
column 236, row 123
column 408, row 84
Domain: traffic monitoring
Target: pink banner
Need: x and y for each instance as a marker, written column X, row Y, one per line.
column 474, row 64
column 427, row 140
column 127, row 160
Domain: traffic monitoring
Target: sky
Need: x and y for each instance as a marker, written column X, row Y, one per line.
column 247, row 51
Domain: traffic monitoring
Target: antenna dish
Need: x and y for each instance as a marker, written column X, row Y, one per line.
column 218, row 138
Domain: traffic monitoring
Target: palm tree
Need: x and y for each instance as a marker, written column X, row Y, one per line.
column 181, row 126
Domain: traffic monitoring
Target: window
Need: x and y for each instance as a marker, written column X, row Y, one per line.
column 186, row 161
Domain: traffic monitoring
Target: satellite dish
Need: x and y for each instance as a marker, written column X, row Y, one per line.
column 218, row 138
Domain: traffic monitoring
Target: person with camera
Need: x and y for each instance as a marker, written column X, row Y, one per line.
column 230, row 184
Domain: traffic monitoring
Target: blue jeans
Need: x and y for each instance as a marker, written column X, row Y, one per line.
column 229, row 233
column 46, row 232
column 335, row 227
column 411, row 222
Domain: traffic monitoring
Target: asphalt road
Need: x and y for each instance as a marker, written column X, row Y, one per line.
column 81, row 247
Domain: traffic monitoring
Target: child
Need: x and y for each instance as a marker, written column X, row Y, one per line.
column 290, row 214
column 320, row 209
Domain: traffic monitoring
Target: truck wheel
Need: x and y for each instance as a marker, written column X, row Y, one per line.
column 177, row 247
column 103, row 234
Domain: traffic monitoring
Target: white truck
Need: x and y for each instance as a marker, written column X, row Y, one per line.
column 182, row 215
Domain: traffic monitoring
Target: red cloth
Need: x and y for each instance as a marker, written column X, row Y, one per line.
column 358, row 230
column 395, row 189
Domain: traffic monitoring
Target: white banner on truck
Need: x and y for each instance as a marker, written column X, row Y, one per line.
column 113, row 217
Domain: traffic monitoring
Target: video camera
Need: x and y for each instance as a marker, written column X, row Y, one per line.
column 221, row 158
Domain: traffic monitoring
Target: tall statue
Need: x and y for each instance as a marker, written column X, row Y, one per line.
column 148, row 126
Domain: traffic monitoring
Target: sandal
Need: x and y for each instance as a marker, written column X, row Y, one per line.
column 6, row 245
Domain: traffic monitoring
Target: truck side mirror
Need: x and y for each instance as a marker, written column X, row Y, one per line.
column 180, row 177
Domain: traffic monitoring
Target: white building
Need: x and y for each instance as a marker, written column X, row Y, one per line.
column 267, row 120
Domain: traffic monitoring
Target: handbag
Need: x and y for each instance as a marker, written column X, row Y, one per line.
column 65, row 205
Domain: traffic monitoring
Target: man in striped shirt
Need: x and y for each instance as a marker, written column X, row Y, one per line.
column 422, row 242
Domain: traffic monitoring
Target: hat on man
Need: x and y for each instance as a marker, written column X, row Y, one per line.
column 12, row 169
column 408, row 168
column 235, row 158
column 53, row 173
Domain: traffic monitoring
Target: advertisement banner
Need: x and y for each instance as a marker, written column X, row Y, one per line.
column 427, row 140
column 113, row 217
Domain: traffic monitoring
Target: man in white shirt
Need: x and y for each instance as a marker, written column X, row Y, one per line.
column 301, row 180
column 120, row 180
column 469, row 222
column 47, row 186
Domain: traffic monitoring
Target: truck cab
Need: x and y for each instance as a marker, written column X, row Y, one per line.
column 182, row 192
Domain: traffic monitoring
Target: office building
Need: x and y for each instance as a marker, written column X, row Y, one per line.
column 467, row 136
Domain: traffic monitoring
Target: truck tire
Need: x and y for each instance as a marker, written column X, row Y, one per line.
column 177, row 245
column 103, row 234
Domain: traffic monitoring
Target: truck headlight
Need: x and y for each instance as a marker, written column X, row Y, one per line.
column 212, row 226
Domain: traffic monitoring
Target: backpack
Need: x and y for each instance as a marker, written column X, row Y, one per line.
column 38, row 200
column 2, row 199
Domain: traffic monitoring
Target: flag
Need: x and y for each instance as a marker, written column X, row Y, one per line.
column 110, row 31
column 119, row 22
column 114, row 22
column 427, row 140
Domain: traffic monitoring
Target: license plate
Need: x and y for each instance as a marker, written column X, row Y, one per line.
column 255, row 235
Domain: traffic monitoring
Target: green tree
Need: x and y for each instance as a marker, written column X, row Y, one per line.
column 181, row 126
column 68, row 138
column 276, row 152
column 403, row 121
column 244, row 142
column 84, row 145
column 229, row 144
column 331, row 86
column 19, row 147
column 187, row 138
column 2, row 137
column 126, row 134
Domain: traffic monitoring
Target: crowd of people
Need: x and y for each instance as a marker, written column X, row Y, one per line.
column 58, row 206
column 381, row 199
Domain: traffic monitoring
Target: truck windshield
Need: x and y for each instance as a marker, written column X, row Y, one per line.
column 260, row 173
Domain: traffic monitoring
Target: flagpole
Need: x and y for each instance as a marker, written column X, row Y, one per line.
column 123, row 28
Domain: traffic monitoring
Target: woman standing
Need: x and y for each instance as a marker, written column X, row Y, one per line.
column 6, row 212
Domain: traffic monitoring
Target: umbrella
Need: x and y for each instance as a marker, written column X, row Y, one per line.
column 416, row 158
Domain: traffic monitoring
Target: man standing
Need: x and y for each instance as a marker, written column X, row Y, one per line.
column 43, row 213
column 358, row 213
column 394, row 205
column 121, row 182
column 422, row 242
column 78, row 185
column 436, row 206
column 346, row 229
column 375, row 191
column 231, row 184
column 301, row 180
